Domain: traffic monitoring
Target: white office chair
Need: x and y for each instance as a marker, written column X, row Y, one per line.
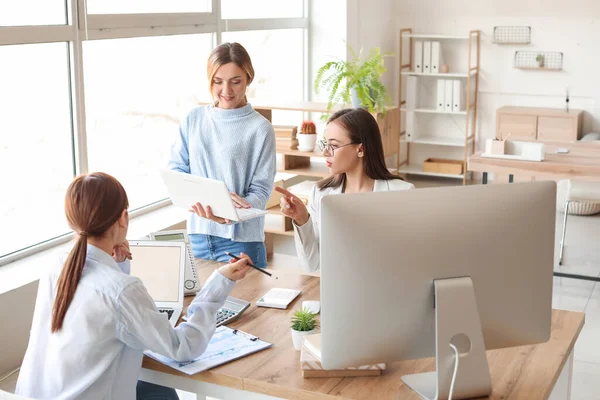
column 585, row 192
column 9, row 396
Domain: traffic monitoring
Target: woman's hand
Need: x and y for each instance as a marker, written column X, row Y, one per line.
column 239, row 202
column 206, row 212
column 293, row 207
column 121, row 252
column 236, row 270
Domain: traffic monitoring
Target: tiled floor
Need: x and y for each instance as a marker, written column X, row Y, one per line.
column 582, row 256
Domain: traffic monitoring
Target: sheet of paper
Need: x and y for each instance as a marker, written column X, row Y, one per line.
column 225, row 346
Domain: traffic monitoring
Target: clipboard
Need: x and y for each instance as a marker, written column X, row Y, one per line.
column 226, row 345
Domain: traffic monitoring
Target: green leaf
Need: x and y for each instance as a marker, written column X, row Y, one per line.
column 303, row 320
column 337, row 77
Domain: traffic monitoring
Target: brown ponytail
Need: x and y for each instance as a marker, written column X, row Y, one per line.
column 93, row 203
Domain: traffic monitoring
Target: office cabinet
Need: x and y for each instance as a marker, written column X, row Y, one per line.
column 543, row 124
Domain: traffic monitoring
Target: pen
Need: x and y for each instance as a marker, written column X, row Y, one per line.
column 250, row 264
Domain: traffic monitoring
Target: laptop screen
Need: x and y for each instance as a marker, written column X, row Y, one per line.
column 158, row 268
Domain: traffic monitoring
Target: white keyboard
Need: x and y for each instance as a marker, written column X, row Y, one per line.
column 278, row 298
column 247, row 213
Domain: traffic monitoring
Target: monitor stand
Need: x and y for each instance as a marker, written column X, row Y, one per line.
column 457, row 322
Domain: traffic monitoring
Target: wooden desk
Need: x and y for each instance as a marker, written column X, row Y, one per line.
column 528, row 372
column 578, row 164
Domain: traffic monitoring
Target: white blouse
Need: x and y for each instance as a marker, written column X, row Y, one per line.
column 306, row 236
column 111, row 320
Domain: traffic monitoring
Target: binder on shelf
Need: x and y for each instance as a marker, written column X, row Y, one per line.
column 441, row 95
column 457, row 95
column 411, row 92
column 411, row 126
column 448, row 98
column 427, row 57
column 435, row 57
column 418, row 56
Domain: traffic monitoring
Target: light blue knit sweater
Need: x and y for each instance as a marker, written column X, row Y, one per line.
column 234, row 146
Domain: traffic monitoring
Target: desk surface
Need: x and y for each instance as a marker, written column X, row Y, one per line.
column 581, row 166
column 527, row 372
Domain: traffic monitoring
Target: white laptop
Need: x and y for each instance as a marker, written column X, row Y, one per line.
column 186, row 189
column 161, row 267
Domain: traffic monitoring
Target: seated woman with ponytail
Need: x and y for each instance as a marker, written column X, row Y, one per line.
column 92, row 321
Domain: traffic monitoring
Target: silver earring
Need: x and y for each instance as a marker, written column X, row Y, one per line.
column 360, row 154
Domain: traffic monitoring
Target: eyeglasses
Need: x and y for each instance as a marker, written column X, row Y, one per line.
column 324, row 146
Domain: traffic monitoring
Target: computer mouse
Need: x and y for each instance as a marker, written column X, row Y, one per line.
column 312, row 305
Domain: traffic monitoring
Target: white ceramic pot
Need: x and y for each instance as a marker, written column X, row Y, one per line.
column 306, row 142
column 298, row 337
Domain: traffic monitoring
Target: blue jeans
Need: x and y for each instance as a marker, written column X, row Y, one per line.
column 210, row 247
column 150, row 391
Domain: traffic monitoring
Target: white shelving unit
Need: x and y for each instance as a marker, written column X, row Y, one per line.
column 448, row 75
column 434, row 36
column 429, row 141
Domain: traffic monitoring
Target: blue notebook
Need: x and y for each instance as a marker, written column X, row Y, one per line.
column 226, row 345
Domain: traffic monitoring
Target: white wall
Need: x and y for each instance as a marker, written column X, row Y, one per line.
column 372, row 24
column 327, row 40
column 571, row 28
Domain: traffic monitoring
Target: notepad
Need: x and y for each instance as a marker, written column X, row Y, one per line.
column 226, row 345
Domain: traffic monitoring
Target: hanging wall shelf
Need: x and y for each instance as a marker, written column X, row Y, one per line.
column 543, row 60
column 512, row 35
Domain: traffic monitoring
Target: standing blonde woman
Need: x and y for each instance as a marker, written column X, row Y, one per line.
column 92, row 321
column 231, row 142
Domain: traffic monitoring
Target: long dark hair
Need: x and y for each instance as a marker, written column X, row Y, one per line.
column 93, row 203
column 362, row 128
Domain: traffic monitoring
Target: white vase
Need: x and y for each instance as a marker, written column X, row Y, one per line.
column 298, row 337
column 306, row 142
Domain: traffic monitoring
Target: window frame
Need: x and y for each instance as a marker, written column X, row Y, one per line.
column 81, row 27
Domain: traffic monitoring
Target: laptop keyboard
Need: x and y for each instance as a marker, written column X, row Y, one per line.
column 168, row 311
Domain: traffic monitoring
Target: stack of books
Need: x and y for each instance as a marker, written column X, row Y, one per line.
column 285, row 136
column 310, row 363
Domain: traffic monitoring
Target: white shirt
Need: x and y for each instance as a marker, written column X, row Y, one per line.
column 110, row 322
column 306, row 236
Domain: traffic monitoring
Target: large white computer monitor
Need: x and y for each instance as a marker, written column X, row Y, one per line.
column 420, row 269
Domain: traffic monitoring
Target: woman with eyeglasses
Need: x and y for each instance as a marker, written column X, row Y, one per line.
column 354, row 154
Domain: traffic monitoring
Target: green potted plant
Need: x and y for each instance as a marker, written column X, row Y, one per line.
column 304, row 323
column 540, row 60
column 355, row 80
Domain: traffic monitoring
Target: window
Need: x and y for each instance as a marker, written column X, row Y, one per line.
column 32, row 12
column 35, row 144
column 136, row 93
column 147, row 6
column 144, row 69
column 277, row 57
column 244, row 9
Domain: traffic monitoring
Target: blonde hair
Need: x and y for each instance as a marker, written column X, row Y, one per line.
column 225, row 54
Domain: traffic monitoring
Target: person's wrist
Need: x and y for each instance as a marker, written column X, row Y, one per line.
column 302, row 219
